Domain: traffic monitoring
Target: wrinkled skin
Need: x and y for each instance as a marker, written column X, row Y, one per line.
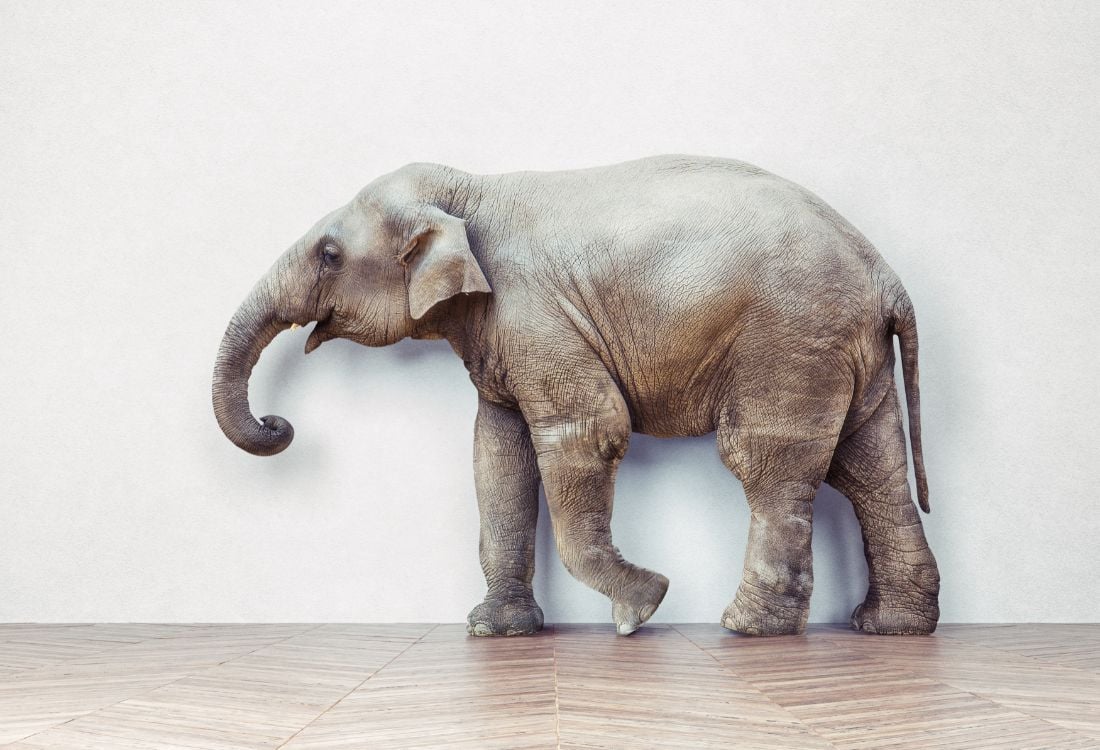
column 670, row 296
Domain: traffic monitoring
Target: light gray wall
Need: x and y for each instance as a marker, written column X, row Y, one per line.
column 154, row 162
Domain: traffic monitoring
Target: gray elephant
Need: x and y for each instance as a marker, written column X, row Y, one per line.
column 671, row 296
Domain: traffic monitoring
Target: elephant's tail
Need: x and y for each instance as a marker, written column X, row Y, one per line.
column 904, row 326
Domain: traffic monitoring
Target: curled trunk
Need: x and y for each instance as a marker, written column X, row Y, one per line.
column 252, row 328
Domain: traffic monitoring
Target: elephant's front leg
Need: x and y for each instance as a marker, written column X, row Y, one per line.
column 578, row 456
column 507, row 478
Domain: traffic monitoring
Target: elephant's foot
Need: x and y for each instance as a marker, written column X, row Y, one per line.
column 905, row 603
column 512, row 616
column 639, row 603
column 885, row 620
column 755, row 611
column 912, row 613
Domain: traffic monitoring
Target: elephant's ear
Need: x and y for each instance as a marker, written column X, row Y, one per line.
column 438, row 262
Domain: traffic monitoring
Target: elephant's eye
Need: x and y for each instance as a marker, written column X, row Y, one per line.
column 331, row 255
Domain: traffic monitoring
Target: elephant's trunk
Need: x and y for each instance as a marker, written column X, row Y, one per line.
column 252, row 328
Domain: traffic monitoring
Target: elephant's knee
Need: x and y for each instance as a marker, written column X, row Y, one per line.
column 598, row 440
column 783, row 501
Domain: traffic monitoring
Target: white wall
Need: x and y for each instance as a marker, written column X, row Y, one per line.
column 154, row 161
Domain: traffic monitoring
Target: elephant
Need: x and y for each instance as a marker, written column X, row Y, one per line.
column 668, row 296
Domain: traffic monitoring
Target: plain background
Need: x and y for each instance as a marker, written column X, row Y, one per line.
column 155, row 160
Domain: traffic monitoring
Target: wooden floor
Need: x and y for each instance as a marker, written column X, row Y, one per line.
column 574, row 686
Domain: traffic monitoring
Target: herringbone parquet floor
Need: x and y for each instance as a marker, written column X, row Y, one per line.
column 308, row 687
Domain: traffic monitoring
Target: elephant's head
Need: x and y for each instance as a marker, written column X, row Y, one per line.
column 369, row 272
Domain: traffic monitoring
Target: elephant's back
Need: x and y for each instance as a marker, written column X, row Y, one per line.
column 724, row 210
column 692, row 231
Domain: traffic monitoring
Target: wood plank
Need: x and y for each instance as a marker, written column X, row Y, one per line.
column 657, row 689
column 313, row 687
column 1067, row 645
column 34, row 700
column 863, row 692
column 449, row 690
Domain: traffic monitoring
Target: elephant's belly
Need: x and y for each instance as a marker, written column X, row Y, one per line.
column 688, row 422
column 681, row 401
column 674, row 384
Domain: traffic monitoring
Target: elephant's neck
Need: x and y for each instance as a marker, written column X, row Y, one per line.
column 460, row 320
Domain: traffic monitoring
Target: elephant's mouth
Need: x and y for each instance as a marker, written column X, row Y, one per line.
column 320, row 333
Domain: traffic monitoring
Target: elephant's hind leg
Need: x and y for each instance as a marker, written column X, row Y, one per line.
column 870, row 468
column 507, row 482
column 779, row 440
